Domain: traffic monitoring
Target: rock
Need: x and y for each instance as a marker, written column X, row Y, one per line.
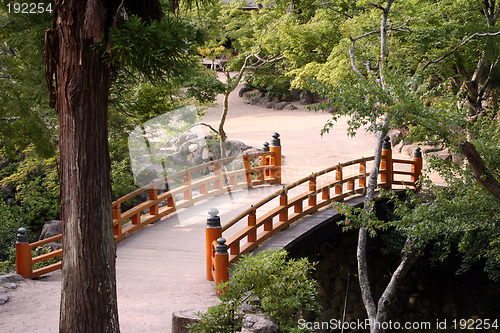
column 395, row 136
column 4, row 299
column 408, row 149
column 51, row 228
column 268, row 105
column 205, row 154
column 252, row 94
column 240, row 145
column 429, row 149
column 259, row 323
column 280, row 106
column 3, row 290
column 10, row 285
column 193, row 147
column 10, row 277
column 306, row 98
column 290, row 107
column 244, row 90
column 443, row 154
column 294, row 95
column 397, row 148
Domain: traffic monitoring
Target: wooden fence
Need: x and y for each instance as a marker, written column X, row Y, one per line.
column 289, row 204
column 220, row 177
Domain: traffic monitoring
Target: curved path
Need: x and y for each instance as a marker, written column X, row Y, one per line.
column 161, row 269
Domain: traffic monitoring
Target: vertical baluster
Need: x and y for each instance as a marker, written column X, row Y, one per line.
column 248, row 173
column 312, row 190
column 339, row 177
column 153, row 196
column 188, row 193
column 362, row 171
column 284, row 206
column 252, row 220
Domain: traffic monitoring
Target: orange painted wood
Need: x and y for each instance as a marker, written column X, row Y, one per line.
column 23, row 260
column 46, row 256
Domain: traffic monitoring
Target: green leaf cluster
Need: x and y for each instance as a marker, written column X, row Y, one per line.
column 283, row 286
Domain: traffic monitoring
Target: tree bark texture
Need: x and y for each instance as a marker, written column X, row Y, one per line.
column 88, row 299
column 481, row 174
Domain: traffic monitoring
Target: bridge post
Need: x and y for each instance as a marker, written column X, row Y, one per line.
column 362, row 171
column 338, row 177
column 416, row 167
column 221, row 262
column 284, row 203
column 246, row 166
column 213, row 232
column 153, row 196
column 276, row 148
column 117, row 213
column 264, row 161
column 23, row 255
column 312, row 188
column 386, row 175
column 252, row 221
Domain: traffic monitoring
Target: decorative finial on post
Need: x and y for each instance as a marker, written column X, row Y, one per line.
column 417, row 153
column 22, row 237
column 276, row 160
column 387, row 143
column 265, row 146
column 213, row 231
column 221, row 247
column 276, row 141
column 213, row 221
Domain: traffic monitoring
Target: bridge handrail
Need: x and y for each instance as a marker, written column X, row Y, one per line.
column 267, row 173
column 270, row 227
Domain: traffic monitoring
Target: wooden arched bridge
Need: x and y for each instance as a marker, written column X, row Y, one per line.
column 227, row 241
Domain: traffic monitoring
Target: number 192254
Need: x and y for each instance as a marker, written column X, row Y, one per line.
column 29, row 8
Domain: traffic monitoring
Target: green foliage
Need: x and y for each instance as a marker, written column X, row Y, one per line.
column 11, row 219
column 156, row 49
column 9, row 263
column 282, row 285
column 25, row 116
column 36, row 185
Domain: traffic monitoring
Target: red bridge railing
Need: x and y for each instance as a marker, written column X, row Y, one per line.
column 291, row 203
column 162, row 201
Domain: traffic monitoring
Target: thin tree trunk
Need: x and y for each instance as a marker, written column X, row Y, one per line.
column 88, row 299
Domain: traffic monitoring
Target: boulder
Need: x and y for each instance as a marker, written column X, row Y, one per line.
column 51, row 228
column 244, row 90
column 259, row 323
column 306, row 98
column 290, row 107
column 280, row 106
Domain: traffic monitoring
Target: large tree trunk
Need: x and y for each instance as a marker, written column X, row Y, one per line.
column 88, row 300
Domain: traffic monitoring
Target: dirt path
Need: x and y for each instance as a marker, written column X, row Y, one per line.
column 34, row 305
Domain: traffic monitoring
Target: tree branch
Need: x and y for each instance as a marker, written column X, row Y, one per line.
column 481, row 174
column 460, row 45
